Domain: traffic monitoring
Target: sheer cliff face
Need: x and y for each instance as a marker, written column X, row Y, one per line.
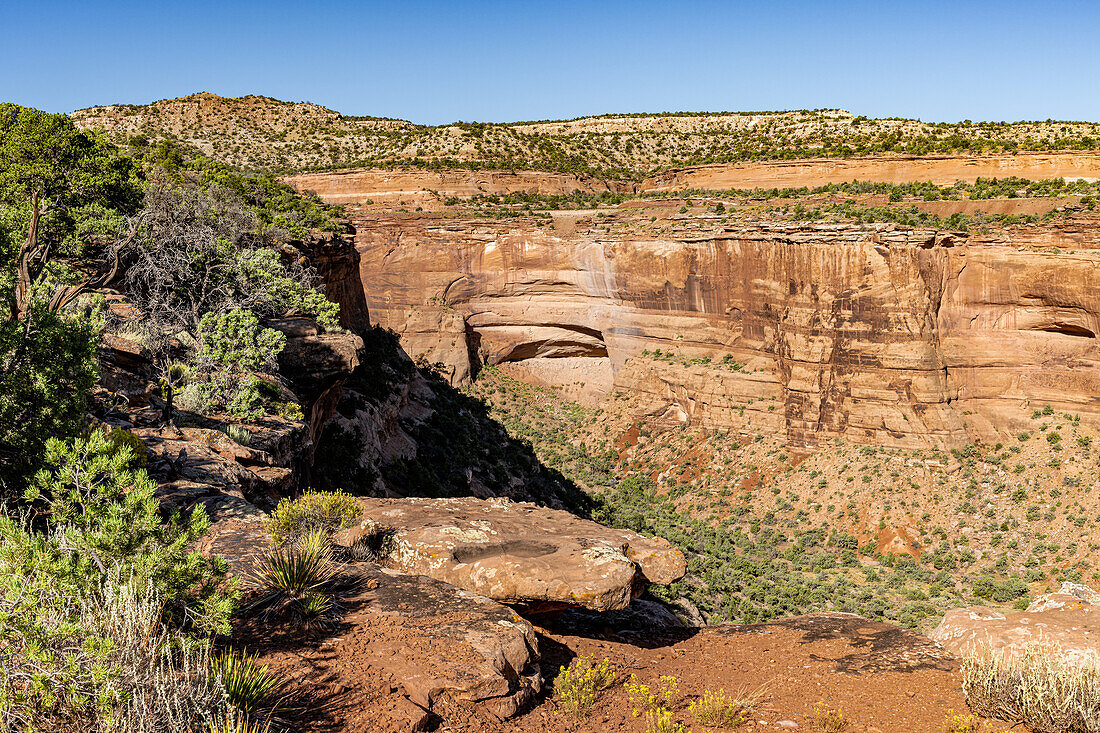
column 873, row 334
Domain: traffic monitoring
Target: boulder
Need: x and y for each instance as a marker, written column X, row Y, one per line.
column 517, row 553
column 441, row 640
column 1068, row 619
column 313, row 361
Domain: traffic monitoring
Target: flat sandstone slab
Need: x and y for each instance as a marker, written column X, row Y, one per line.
column 1068, row 620
column 519, row 553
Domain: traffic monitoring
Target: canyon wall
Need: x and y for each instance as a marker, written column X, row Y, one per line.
column 875, row 334
column 355, row 186
column 942, row 170
column 358, row 185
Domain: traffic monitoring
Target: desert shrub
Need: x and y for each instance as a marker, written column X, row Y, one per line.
column 660, row 721
column 288, row 410
column 1040, row 689
column 120, row 437
column 645, row 700
column 98, row 658
column 105, row 517
column 718, row 709
column 580, row 684
column 991, row 589
column 313, row 510
column 829, row 719
column 955, row 723
column 232, row 346
column 238, row 433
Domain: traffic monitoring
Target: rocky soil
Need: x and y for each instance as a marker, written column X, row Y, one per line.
column 879, row 677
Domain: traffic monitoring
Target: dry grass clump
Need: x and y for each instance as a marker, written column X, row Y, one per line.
column 1039, row 689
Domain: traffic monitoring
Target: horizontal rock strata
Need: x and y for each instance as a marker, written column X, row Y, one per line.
column 876, row 334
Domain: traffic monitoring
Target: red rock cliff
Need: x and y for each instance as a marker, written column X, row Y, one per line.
column 875, row 334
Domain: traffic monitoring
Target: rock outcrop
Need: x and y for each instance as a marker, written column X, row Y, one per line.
column 877, row 334
column 1067, row 621
column 432, row 638
column 517, row 553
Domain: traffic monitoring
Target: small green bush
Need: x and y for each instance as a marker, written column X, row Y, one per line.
column 104, row 513
column 314, row 510
column 288, row 410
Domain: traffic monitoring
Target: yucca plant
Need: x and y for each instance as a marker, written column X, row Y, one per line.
column 314, row 609
column 250, row 688
column 293, row 578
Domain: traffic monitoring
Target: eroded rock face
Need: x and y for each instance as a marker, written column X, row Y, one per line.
column 518, row 553
column 447, row 640
column 1068, row 619
column 876, row 334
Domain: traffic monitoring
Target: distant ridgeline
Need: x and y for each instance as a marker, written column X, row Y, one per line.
column 263, row 133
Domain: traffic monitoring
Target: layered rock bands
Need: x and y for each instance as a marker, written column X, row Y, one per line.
column 875, row 334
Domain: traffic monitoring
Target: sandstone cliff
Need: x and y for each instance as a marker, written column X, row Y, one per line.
column 876, row 333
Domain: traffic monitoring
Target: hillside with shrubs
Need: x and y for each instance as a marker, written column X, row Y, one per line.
column 265, row 133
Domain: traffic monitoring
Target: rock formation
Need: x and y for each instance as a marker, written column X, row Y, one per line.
column 434, row 638
column 518, row 553
column 877, row 334
column 1068, row 621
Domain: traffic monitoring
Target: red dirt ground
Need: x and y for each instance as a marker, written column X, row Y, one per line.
column 881, row 677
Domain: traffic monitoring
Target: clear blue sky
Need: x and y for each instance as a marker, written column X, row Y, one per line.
column 436, row 62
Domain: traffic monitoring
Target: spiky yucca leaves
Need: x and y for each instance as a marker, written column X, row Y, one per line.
column 314, row 609
column 375, row 543
column 293, row 579
column 250, row 688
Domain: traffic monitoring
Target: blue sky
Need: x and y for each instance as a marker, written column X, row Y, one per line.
column 435, row 62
